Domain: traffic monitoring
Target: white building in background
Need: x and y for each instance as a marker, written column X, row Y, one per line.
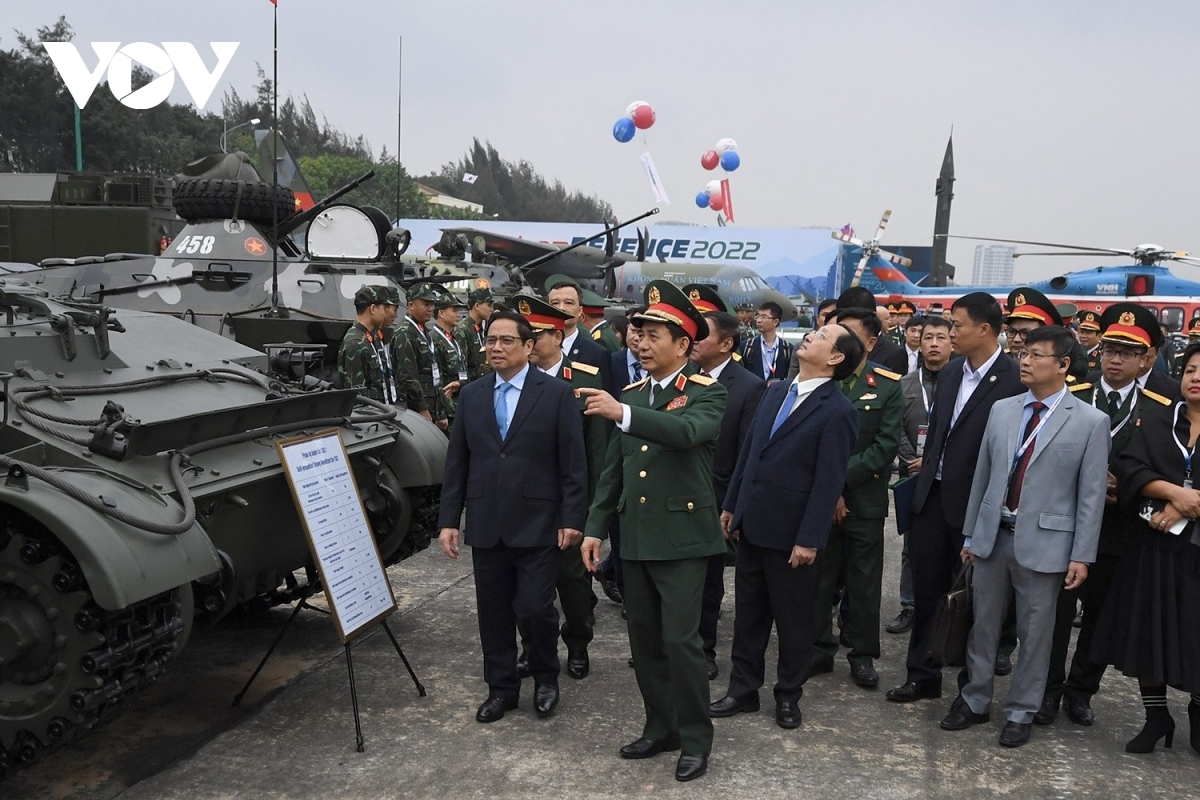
column 993, row 265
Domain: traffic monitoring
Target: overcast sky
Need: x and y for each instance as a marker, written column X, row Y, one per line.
column 1073, row 121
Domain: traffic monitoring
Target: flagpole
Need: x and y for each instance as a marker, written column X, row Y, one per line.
column 275, row 311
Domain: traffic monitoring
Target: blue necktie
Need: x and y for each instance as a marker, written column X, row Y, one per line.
column 502, row 409
column 786, row 408
column 637, row 371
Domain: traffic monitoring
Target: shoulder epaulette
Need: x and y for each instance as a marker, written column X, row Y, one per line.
column 737, row 357
column 1156, row 397
column 1080, row 387
column 636, row 385
column 1071, row 379
column 888, row 374
column 590, row 369
column 596, row 333
column 703, row 380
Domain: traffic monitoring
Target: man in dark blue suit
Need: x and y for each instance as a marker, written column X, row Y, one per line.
column 517, row 461
column 565, row 294
column 780, row 507
column 714, row 355
column 957, row 421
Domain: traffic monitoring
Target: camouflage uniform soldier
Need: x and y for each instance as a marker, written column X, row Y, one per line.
column 365, row 357
column 448, row 355
column 469, row 333
column 419, row 345
column 746, row 329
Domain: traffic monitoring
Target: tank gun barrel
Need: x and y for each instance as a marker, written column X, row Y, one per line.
column 292, row 223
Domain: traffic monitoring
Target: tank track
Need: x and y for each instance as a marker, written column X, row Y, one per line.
column 427, row 501
column 67, row 665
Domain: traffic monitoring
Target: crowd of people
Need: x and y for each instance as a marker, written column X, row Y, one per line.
column 1048, row 456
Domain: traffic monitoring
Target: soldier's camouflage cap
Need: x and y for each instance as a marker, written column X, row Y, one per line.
column 372, row 295
column 447, row 300
column 422, row 291
column 479, row 296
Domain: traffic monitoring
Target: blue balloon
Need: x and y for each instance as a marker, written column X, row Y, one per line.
column 702, row 199
column 624, row 129
column 730, row 160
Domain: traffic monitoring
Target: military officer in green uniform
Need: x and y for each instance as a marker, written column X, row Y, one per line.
column 447, row 310
column 893, row 330
column 658, row 478
column 1089, row 339
column 856, row 538
column 591, row 309
column 574, row 583
column 1129, row 330
column 365, row 357
column 469, row 332
column 708, row 300
column 412, row 336
column 746, row 329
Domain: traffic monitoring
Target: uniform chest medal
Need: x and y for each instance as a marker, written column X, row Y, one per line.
column 678, row 402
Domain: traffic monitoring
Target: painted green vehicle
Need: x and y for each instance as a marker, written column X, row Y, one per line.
column 141, row 493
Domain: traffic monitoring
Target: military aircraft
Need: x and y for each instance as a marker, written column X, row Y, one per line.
column 613, row 275
column 1173, row 299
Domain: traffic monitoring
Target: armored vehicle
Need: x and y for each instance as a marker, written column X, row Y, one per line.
column 142, row 494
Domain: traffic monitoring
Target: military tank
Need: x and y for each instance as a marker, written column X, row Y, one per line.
column 142, row 495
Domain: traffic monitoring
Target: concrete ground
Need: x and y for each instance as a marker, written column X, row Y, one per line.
column 295, row 738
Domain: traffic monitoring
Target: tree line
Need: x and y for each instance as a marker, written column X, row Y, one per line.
column 37, row 134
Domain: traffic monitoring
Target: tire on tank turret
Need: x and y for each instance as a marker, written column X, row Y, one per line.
column 217, row 199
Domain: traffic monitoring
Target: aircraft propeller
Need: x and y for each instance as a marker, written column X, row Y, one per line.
column 871, row 248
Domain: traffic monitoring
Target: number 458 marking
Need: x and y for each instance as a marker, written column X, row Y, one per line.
column 191, row 245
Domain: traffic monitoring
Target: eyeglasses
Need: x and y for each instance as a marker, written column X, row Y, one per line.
column 1024, row 354
column 501, row 341
column 1117, row 354
column 1018, row 333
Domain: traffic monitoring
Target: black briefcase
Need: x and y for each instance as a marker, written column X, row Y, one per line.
column 952, row 622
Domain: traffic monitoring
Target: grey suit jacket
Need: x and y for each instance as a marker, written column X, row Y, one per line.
column 1062, row 496
column 914, row 415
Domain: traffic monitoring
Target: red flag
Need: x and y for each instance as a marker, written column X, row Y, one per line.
column 275, row 3
column 728, row 198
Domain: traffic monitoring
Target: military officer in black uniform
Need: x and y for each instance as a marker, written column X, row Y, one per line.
column 1089, row 339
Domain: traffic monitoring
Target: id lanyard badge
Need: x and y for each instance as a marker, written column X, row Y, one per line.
column 922, row 433
column 1187, row 454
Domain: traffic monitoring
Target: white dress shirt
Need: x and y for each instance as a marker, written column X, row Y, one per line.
column 568, row 341
column 804, row 389
column 970, row 382
column 716, row 371
column 554, row 369
column 914, row 356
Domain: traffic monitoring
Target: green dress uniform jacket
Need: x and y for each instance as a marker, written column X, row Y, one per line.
column 878, row 398
column 596, row 429
column 658, row 476
column 470, row 342
column 605, row 335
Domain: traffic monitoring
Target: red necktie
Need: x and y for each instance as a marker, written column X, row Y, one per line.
column 1014, row 485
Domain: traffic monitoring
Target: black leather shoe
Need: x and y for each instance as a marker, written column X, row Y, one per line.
column 961, row 716
column 1003, row 664
column 545, row 699
column 1048, row 711
column 1079, row 710
column 902, row 623
column 523, row 670
column 864, row 675
column 578, row 664
column 691, row 767
column 1015, row 734
column 610, row 588
column 729, row 705
column 820, row 666
column 493, row 709
column 787, row 714
column 909, row 692
column 713, row 671
column 648, row 748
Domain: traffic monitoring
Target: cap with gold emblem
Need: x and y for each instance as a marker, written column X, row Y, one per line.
column 1025, row 302
column 891, row 307
column 1130, row 323
column 1193, row 328
column 705, row 298
column 905, row 307
column 666, row 302
column 1089, row 321
column 540, row 315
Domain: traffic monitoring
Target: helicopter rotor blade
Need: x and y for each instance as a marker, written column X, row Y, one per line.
column 858, row 271
column 883, row 221
column 1087, row 248
column 1092, row 253
column 895, row 259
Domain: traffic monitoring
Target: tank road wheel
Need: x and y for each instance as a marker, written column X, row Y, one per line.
column 422, row 529
column 216, row 199
column 65, row 663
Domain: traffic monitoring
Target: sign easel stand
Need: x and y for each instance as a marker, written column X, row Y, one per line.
column 343, row 548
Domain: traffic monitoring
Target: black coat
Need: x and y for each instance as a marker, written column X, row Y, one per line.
column 589, row 351
column 519, row 491
column 958, row 448
column 1156, row 381
column 621, row 376
column 745, row 391
column 889, row 355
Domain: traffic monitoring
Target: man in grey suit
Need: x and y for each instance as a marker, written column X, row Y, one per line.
column 1032, row 526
